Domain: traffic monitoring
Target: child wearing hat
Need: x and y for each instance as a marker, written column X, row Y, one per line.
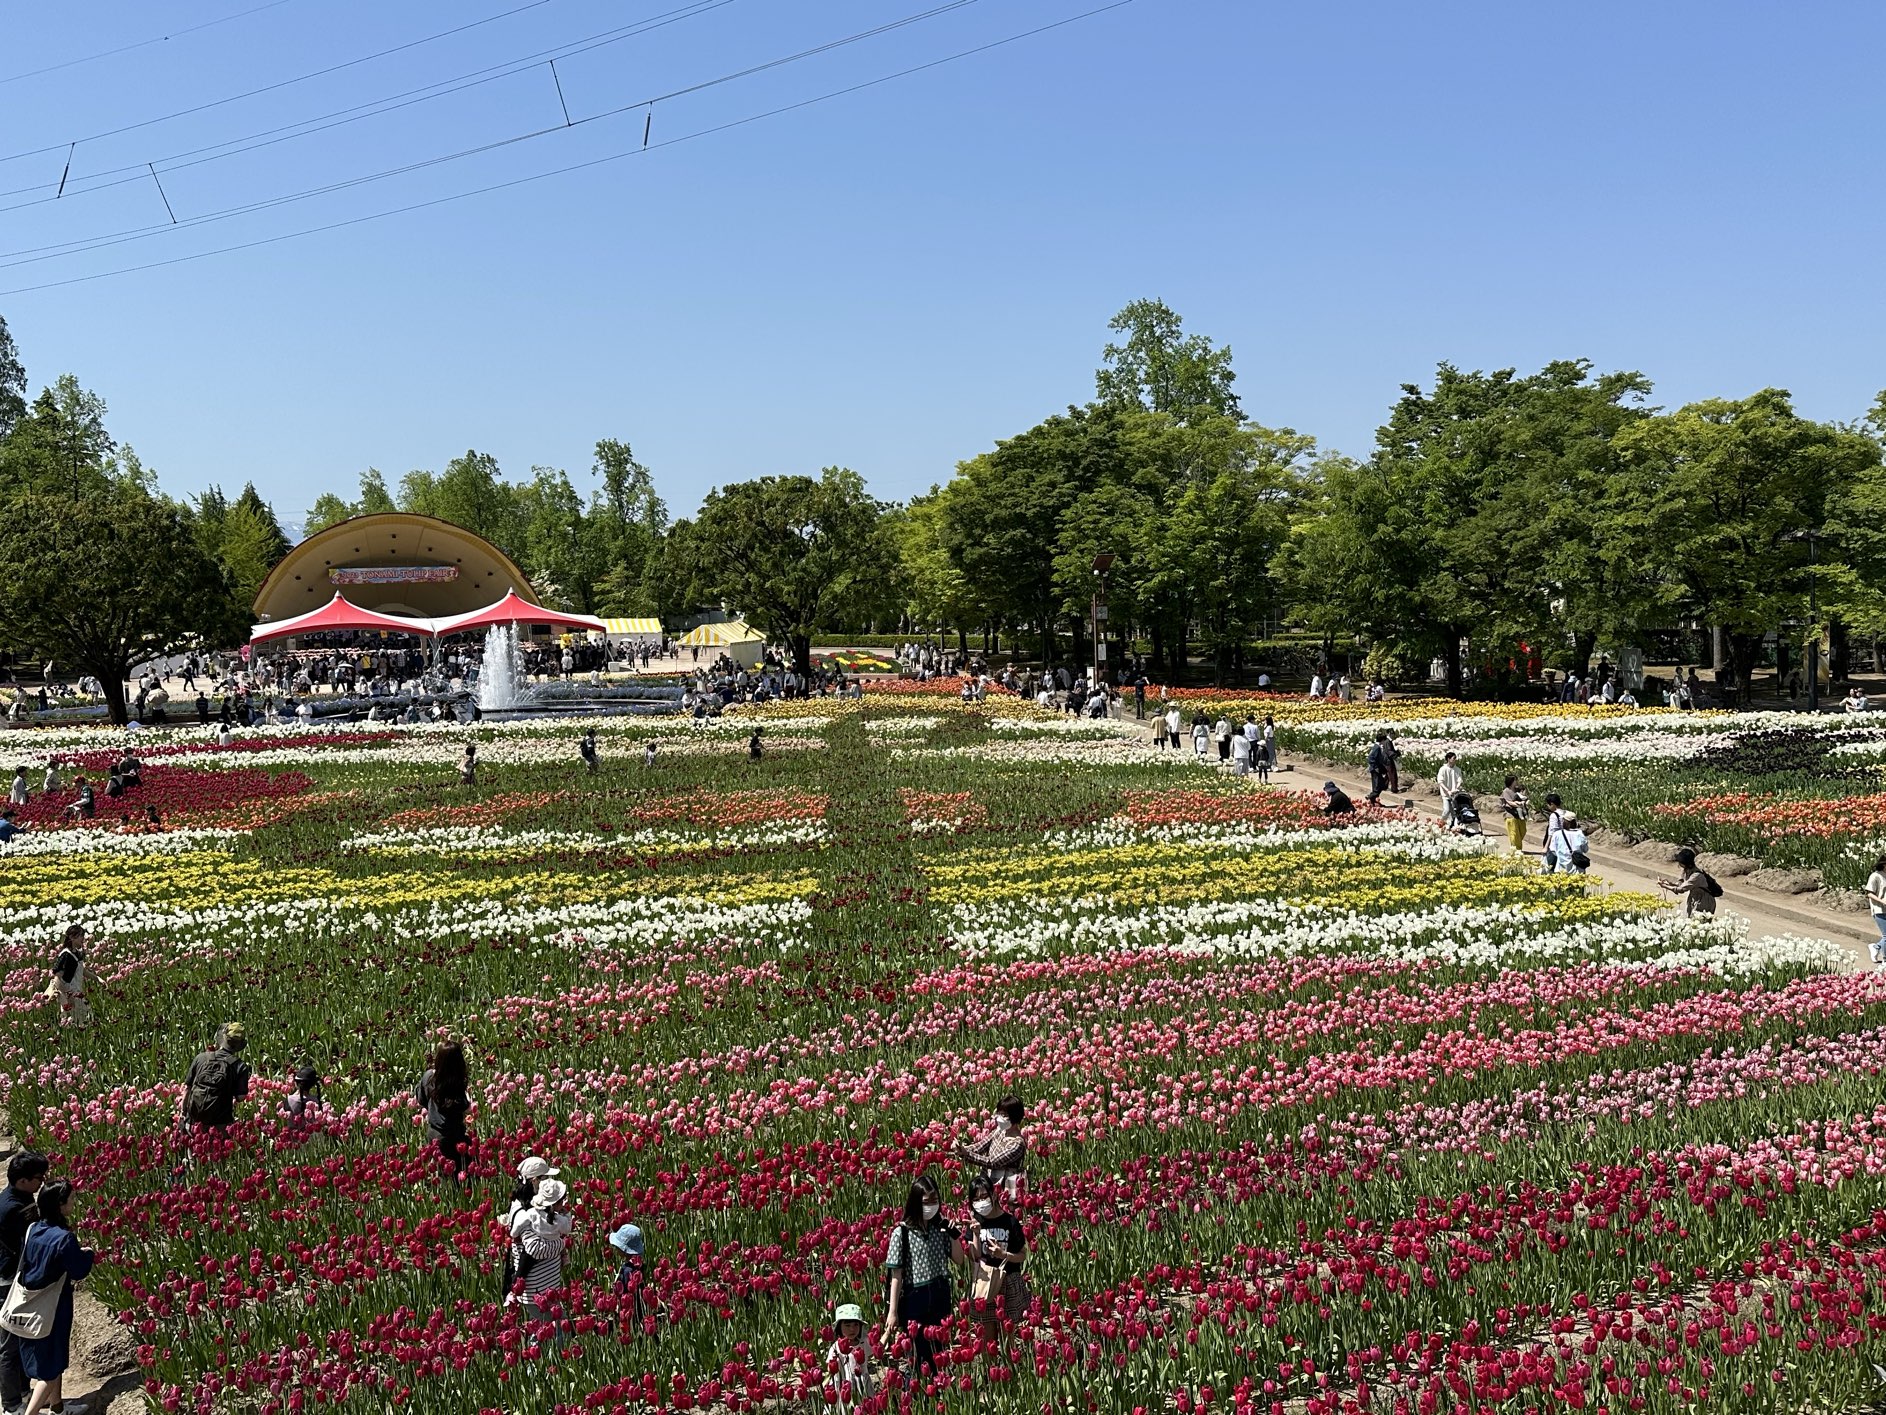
column 848, row 1360
column 542, row 1232
column 627, row 1240
column 532, row 1171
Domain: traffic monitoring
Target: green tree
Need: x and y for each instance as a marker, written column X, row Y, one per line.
column 791, row 554
column 1474, row 518
column 1003, row 516
column 1709, row 502
column 936, row 594
column 1161, row 368
column 108, row 580
column 12, row 382
column 330, row 509
column 60, row 444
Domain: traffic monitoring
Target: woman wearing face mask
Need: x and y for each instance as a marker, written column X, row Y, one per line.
column 1002, row 1153
column 998, row 1245
column 918, row 1261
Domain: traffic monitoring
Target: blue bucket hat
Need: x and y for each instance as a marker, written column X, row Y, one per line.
column 627, row 1239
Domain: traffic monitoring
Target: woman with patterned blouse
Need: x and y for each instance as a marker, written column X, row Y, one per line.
column 921, row 1251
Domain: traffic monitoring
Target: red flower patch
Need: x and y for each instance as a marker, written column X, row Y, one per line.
column 178, row 793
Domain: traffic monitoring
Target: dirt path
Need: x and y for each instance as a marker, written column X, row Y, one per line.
column 1612, row 868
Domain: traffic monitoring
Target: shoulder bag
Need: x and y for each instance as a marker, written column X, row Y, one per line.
column 29, row 1312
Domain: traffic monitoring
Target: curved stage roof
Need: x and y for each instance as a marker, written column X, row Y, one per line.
column 395, row 563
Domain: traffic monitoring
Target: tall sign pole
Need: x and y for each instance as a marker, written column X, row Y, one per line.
column 1102, row 564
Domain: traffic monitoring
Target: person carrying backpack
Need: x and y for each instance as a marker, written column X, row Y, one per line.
column 918, row 1260
column 1697, row 887
column 67, row 983
column 217, row 1079
column 1378, row 768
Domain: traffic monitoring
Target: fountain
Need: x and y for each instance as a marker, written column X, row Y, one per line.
column 503, row 693
column 499, row 688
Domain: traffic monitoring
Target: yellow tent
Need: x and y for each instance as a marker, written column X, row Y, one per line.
column 719, row 636
column 734, row 638
column 633, row 628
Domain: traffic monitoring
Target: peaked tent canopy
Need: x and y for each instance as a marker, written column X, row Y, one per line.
column 514, row 609
column 627, row 628
column 337, row 613
column 719, row 636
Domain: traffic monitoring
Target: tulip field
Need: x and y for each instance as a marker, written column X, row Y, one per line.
column 1321, row 1120
column 1788, row 789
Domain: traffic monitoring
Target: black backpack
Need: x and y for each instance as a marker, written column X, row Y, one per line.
column 212, row 1086
column 1715, row 890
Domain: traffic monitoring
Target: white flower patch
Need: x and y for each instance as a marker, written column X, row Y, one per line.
column 1408, row 839
column 1468, row 937
column 1110, row 752
column 473, row 840
column 1068, row 728
column 900, row 726
column 111, row 842
column 631, row 923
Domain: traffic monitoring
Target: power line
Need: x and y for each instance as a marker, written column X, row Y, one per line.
column 140, row 44
column 271, row 88
column 373, row 108
column 576, row 166
column 37, row 254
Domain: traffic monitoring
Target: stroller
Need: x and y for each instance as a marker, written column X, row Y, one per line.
column 1466, row 818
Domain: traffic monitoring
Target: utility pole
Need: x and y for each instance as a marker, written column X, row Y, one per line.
column 1102, row 564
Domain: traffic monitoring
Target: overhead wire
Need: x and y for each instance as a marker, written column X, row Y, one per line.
column 35, row 254
column 576, row 166
column 359, row 112
column 271, row 88
column 140, row 44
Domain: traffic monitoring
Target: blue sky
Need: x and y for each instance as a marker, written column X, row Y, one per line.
column 1346, row 194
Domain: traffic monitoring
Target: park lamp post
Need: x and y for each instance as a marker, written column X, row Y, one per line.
column 1813, row 538
column 1102, row 564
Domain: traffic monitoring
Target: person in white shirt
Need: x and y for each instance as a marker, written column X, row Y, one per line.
column 1316, row 685
column 17, row 796
column 1241, row 754
column 1251, row 735
column 1263, row 682
column 1876, row 905
column 542, row 1232
column 1222, row 734
column 1855, row 700
column 1452, row 781
column 1172, row 723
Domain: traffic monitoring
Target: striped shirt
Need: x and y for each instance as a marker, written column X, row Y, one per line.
column 542, row 1237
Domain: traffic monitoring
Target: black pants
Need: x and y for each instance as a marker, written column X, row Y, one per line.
column 13, row 1390
column 925, row 1306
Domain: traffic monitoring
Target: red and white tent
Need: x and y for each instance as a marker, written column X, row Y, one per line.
column 339, row 613
column 514, row 609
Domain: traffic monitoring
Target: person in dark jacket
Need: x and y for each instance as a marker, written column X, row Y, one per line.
column 217, row 1079
column 26, row 1173
column 51, row 1252
column 444, row 1092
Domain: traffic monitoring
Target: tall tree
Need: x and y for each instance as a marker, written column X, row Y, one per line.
column 108, row 580
column 1710, row 502
column 1161, row 368
column 790, row 553
column 1003, row 516
column 12, row 382
column 61, row 443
